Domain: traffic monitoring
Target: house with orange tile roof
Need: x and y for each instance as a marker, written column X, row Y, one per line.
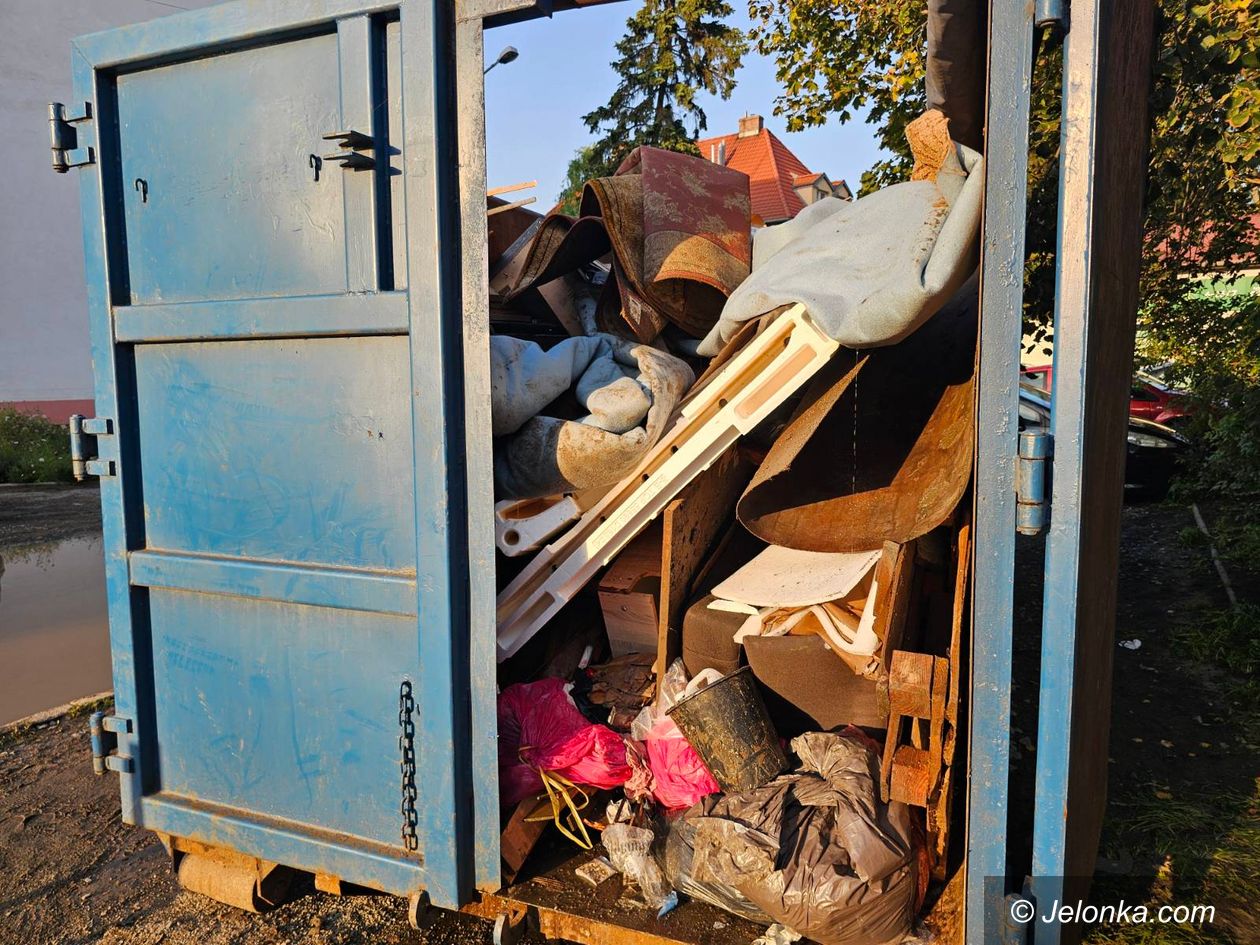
column 781, row 186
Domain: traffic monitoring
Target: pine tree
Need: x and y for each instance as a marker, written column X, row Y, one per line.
column 672, row 51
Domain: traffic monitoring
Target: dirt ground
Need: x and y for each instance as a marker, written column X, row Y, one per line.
column 1183, row 816
column 71, row 872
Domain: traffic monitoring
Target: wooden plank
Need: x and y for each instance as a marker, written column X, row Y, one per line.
column 629, row 595
column 564, row 908
column 692, row 524
column 640, row 559
column 1103, row 163
column 518, row 838
column 941, row 809
column 515, row 205
column 511, row 188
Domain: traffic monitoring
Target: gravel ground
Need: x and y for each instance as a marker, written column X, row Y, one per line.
column 71, row 872
column 44, row 515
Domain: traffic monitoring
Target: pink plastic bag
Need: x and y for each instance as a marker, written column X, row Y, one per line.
column 540, row 727
column 679, row 777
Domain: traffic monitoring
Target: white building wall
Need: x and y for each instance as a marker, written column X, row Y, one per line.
column 44, row 351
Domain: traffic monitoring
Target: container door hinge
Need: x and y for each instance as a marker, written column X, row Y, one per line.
column 83, row 436
column 64, row 136
column 1051, row 13
column 1030, row 482
column 105, row 730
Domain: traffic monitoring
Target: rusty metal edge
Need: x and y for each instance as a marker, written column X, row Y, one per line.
column 558, row 924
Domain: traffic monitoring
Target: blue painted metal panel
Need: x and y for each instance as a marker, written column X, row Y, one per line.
column 1106, row 80
column 260, row 708
column 479, row 460
column 305, row 317
column 301, row 846
column 430, row 175
column 289, row 450
column 381, row 592
column 225, row 25
column 231, row 208
column 288, row 533
column 120, row 494
column 1001, row 306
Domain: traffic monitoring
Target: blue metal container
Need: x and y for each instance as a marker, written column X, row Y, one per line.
column 284, row 218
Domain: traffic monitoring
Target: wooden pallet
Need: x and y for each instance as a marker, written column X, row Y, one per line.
column 741, row 393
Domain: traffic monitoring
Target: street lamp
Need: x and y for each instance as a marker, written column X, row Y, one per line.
column 509, row 53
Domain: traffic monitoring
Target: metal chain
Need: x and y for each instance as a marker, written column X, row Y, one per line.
column 407, row 766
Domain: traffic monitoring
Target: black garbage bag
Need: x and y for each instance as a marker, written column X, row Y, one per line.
column 814, row 850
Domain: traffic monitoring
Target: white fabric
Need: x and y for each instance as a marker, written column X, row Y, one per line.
column 872, row 270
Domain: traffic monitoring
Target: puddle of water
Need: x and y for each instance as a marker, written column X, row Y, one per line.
column 54, row 628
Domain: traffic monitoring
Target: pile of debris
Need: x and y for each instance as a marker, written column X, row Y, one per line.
column 731, row 474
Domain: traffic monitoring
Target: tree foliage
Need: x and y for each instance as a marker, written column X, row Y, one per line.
column 672, row 51
column 834, row 57
column 1211, row 336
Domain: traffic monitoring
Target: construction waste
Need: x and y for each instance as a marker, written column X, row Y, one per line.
column 731, row 472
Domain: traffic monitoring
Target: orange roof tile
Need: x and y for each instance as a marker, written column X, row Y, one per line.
column 772, row 171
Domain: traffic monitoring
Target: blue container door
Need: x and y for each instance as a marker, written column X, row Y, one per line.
column 287, row 541
column 1103, row 149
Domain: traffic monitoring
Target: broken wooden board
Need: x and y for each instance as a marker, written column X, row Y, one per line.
column 938, row 812
column 748, row 388
column 917, row 687
column 693, row 522
column 518, row 838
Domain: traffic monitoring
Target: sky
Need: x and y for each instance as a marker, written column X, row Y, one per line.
column 534, row 106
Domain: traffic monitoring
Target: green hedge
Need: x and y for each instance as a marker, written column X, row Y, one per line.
column 33, row 449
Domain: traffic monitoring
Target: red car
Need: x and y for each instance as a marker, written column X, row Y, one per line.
column 1149, row 399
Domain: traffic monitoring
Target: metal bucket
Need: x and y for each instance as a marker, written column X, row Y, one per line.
column 728, row 726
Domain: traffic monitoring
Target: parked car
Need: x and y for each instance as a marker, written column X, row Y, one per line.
column 1149, row 398
column 1153, row 448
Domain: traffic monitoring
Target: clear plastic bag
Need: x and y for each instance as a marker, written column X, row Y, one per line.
column 630, row 851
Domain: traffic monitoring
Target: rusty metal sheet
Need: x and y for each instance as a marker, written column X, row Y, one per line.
column 881, row 447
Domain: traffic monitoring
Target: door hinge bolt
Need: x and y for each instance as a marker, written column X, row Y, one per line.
column 63, row 137
column 1051, row 13
column 1030, row 481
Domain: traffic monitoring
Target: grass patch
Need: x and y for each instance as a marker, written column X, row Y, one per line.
column 1229, row 640
column 1196, row 848
column 33, row 449
column 1208, row 846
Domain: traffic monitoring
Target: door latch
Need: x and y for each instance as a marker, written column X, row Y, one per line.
column 82, row 430
column 1030, row 482
column 105, row 730
column 353, row 144
column 63, row 136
